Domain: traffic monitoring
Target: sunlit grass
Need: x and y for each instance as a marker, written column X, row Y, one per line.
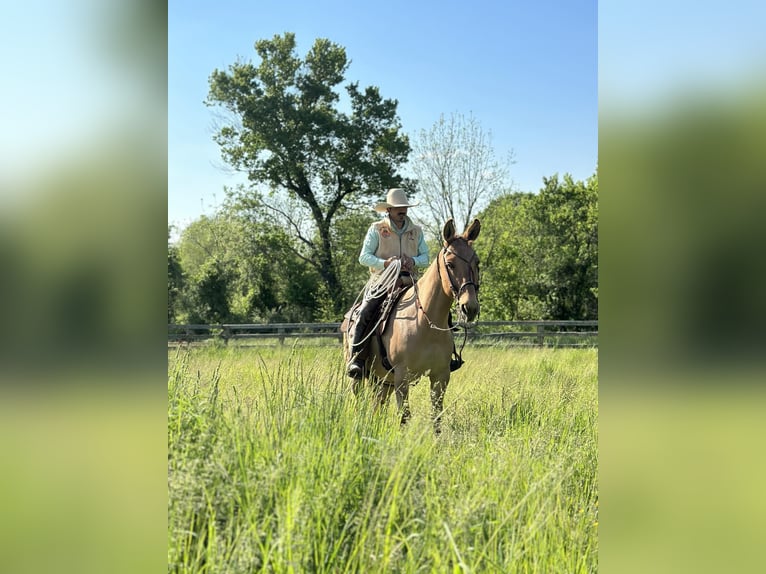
column 274, row 466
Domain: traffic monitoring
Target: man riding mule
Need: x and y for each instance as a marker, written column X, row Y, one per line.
column 414, row 336
column 393, row 238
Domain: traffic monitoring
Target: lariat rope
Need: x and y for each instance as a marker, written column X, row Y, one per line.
column 377, row 285
column 382, row 282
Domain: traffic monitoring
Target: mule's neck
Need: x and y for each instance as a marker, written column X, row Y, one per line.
column 435, row 301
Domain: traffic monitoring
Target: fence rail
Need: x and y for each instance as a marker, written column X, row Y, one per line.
column 538, row 333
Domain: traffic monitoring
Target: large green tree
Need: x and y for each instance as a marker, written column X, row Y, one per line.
column 240, row 270
column 307, row 153
column 540, row 252
column 565, row 214
column 506, row 267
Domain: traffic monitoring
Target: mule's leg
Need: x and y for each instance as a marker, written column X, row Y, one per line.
column 403, row 402
column 384, row 391
column 402, row 387
column 438, row 388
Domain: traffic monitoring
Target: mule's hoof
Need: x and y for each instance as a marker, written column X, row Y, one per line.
column 455, row 364
column 355, row 370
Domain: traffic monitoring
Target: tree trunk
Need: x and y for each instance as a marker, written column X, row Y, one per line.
column 327, row 270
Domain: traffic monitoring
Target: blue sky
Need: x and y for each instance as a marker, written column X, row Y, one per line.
column 526, row 70
column 655, row 50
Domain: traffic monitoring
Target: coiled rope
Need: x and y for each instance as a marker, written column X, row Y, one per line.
column 378, row 285
column 382, row 282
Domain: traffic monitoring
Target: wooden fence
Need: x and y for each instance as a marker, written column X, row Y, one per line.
column 520, row 333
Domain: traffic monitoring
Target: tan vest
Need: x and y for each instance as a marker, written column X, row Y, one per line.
column 390, row 244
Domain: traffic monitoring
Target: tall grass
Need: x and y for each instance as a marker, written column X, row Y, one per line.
column 274, row 466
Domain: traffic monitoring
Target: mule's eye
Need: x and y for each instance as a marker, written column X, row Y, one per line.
column 450, row 265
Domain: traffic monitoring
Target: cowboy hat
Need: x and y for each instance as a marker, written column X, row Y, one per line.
column 394, row 198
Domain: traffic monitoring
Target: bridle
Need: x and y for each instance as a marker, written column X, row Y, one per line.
column 457, row 291
column 441, row 260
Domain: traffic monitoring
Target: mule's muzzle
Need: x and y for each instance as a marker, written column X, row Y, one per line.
column 470, row 311
column 469, row 306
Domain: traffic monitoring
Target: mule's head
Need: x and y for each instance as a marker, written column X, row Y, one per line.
column 461, row 265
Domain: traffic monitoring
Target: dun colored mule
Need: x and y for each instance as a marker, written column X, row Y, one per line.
column 418, row 338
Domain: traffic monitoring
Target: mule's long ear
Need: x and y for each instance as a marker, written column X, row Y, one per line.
column 448, row 232
column 473, row 230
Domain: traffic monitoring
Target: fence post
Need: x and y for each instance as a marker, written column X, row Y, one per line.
column 281, row 332
column 540, row 332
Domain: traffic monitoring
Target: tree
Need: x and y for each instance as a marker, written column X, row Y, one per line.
column 566, row 217
column 540, row 253
column 457, row 173
column 242, row 270
column 175, row 279
column 507, row 236
column 207, row 266
column 209, row 294
column 306, row 159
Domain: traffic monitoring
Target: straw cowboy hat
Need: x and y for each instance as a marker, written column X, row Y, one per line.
column 394, row 198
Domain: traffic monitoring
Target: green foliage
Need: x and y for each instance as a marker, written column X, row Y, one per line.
column 540, row 253
column 565, row 216
column 175, row 280
column 239, row 270
column 502, row 249
column 539, row 257
column 287, row 131
column 209, row 294
column 274, row 466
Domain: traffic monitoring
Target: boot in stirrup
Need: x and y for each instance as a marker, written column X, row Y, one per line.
column 355, row 368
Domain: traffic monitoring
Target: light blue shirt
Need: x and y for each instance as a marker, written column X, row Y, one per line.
column 368, row 258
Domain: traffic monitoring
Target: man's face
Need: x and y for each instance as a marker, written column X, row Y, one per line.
column 397, row 215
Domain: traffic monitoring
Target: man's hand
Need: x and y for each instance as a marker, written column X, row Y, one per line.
column 388, row 262
column 408, row 263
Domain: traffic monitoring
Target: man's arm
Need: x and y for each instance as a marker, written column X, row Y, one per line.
column 369, row 247
column 421, row 259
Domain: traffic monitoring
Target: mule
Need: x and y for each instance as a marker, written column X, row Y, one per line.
column 417, row 338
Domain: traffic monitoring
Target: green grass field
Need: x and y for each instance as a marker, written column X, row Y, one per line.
column 274, row 466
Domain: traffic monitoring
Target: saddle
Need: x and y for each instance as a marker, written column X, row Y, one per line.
column 457, row 359
column 383, row 311
column 382, row 316
column 404, row 281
